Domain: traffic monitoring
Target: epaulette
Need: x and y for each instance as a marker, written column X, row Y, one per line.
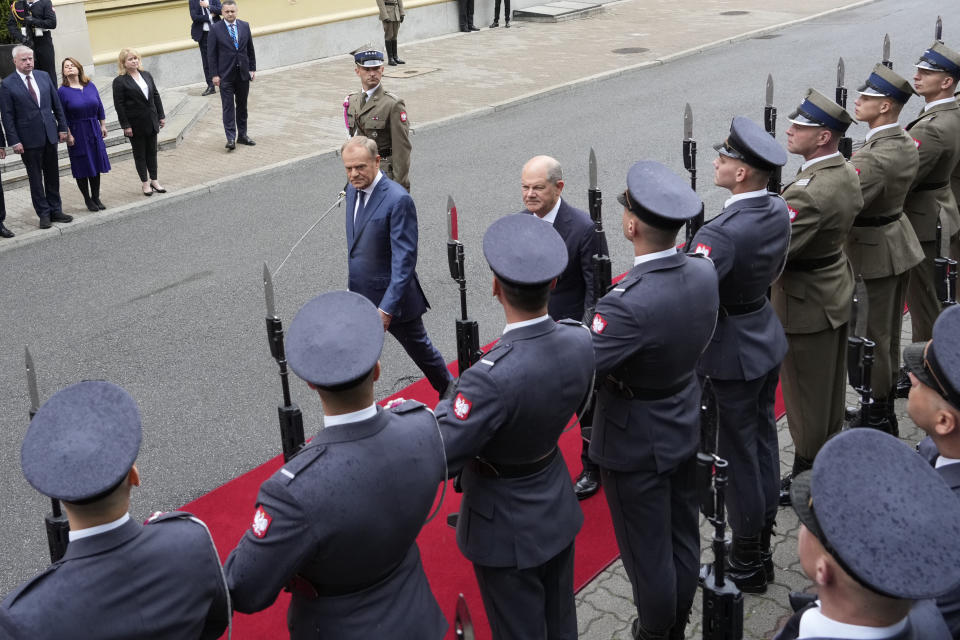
column 395, row 97
column 162, row 516
column 407, row 406
column 490, row 357
column 570, row 321
column 626, row 283
column 307, row 456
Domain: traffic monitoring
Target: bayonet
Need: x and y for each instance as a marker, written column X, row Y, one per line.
column 463, row 624
column 32, row 383
column 770, row 126
column 886, row 52
column 687, row 123
column 938, row 30
column 453, row 232
column 861, row 305
column 592, row 169
column 846, row 144
column 840, row 74
column 769, row 93
column 690, row 164
column 268, row 292
column 594, row 197
column 468, row 331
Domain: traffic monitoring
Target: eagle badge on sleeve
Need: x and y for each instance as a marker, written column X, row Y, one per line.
column 461, row 407
column 261, row 522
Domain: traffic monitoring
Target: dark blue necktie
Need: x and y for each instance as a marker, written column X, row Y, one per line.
column 233, row 34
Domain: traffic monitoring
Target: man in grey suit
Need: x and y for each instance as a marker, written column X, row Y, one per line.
column 648, row 333
column 519, row 516
column 34, row 123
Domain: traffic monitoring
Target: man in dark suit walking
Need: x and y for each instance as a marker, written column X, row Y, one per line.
column 34, row 123
column 542, row 184
column 234, row 65
column 382, row 255
column 205, row 14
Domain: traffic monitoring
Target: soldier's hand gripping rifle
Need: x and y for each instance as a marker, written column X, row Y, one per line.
column 722, row 600
column 58, row 528
column 690, row 164
column 291, row 419
column 468, row 333
column 846, row 144
column 886, row 52
column 770, row 126
column 602, row 273
column 860, row 358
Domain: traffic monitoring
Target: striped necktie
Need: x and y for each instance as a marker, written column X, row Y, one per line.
column 233, row 34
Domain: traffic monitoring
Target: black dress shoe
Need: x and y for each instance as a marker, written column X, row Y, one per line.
column 157, row 189
column 785, row 483
column 99, row 204
column 60, row 216
column 587, row 484
column 465, row 29
column 5, row 233
column 392, row 62
column 91, row 205
column 209, row 91
column 494, row 24
column 247, row 141
column 398, row 60
column 231, row 145
column 506, row 24
column 473, row 28
column 45, row 222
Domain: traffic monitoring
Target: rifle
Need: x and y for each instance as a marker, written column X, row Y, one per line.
column 291, row 419
column 690, row 164
column 722, row 600
column 860, row 359
column 886, row 52
column 946, row 273
column 462, row 623
column 846, row 144
column 468, row 332
column 58, row 528
column 770, row 126
column 602, row 274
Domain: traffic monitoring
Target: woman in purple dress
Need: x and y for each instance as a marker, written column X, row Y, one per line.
column 88, row 128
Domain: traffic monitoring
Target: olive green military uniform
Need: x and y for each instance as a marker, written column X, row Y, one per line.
column 383, row 118
column 812, row 299
column 955, row 187
column 882, row 246
column 937, row 132
column 391, row 12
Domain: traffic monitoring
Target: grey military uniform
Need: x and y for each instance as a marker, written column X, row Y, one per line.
column 159, row 580
column 923, row 623
column 338, row 525
column 882, row 245
column 937, row 132
column 812, row 299
column 648, row 334
column 518, row 528
column 383, row 118
column 948, row 603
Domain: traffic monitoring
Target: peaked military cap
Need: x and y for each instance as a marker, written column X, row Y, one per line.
column 658, row 196
column 82, row 442
column 940, row 57
column 334, row 339
column 884, row 83
column 524, row 250
column 870, row 499
column 368, row 58
column 750, row 143
column 817, row 110
column 937, row 363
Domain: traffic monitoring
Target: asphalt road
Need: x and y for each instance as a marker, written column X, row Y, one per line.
column 169, row 304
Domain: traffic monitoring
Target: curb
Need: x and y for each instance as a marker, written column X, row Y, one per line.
column 125, row 211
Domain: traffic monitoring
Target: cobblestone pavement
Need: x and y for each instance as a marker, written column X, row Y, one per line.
column 605, row 606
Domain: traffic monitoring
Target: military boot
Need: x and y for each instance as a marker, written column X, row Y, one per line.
column 766, row 551
column 396, row 54
column 639, row 633
column 799, row 466
column 745, row 566
column 388, row 45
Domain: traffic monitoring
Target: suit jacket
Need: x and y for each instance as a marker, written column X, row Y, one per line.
column 499, row 414
column 886, row 165
column 748, row 244
column 343, row 515
column 823, row 201
column 382, row 251
column 159, row 580
column 923, row 623
column 224, row 58
column 948, row 603
column 574, row 293
column 134, row 111
column 937, row 132
column 199, row 17
column 26, row 123
column 649, row 332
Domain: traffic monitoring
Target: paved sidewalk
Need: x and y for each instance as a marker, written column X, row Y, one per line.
column 465, row 74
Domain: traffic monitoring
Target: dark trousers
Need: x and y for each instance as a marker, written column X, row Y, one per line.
column 412, row 336
column 655, row 520
column 3, row 206
column 496, row 10
column 466, row 13
column 233, row 98
column 203, row 57
column 748, row 441
column 530, row 604
column 43, row 173
column 145, row 155
column 44, row 56
column 586, row 431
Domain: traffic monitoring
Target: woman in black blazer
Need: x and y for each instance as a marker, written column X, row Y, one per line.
column 140, row 112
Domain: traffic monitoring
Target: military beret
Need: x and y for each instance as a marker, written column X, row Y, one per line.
column 750, row 143
column 368, row 58
column 817, row 110
column 334, row 339
column 883, row 513
column 658, row 196
column 82, row 442
column 937, row 363
column 884, row 83
column 524, row 250
column 940, row 57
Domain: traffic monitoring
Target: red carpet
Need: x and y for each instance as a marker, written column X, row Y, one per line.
column 229, row 509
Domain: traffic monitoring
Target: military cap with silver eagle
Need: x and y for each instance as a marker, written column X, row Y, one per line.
column 884, row 83
column 940, row 57
column 817, row 110
column 749, row 143
column 658, row 196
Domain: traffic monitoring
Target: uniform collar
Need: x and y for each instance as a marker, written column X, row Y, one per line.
column 882, row 127
column 743, row 196
column 809, row 163
column 813, row 624
column 525, row 323
column 943, row 461
column 372, row 91
column 931, row 105
column 100, row 528
column 353, row 416
column 647, row 257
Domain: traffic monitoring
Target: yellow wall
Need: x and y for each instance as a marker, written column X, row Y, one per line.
column 161, row 26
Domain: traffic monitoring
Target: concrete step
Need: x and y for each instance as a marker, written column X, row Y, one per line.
column 557, row 11
column 186, row 111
